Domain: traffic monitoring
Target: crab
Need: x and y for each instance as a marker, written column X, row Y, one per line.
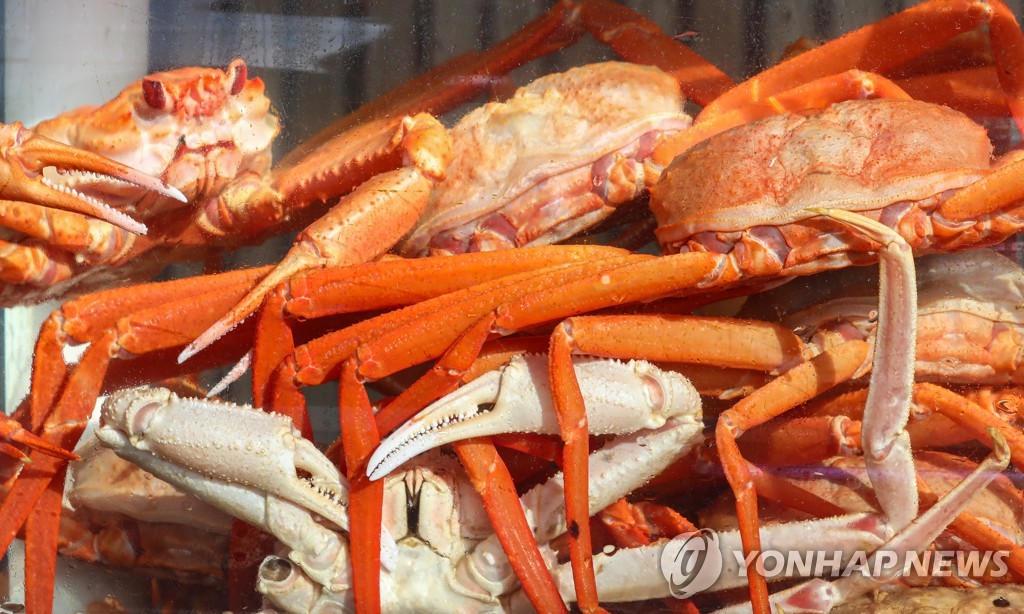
column 453, row 555
column 968, row 357
column 612, row 274
column 209, row 133
column 620, row 278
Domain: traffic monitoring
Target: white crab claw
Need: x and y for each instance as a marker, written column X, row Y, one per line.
column 621, row 397
column 202, row 445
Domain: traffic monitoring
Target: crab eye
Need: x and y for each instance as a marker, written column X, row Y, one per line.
column 154, row 94
column 239, row 74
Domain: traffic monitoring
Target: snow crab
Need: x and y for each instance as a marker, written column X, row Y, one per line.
column 446, row 542
column 209, row 132
column 380, row 346
column 559, row 282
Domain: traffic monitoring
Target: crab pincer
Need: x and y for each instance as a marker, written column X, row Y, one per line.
column 25, row 155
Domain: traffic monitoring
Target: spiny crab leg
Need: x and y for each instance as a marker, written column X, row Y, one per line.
column 820, row 596
column 363, row 225
column 24, row 156
column 632, row 574
column 885, row 439
column 620, row 397
column 262, row 452
column 12, row 430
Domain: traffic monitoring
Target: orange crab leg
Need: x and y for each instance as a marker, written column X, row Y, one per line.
column 70, row 232
column 424, row 338
column 834, row 424
column 33, row 265
column 621, row 336
column 26, row 155
column 1008, row 50
column 972, row 530
column 782, row 491
column 572, row 426
column 497, row 352
column 442, row 378
column 388, row 284
column 637, row 39
column 849, row 85
column 363, row 225
column 971, row 49
column 41, row 530
column 803, row 440
column 86, row 318
column 458, row 80
column 360, row 438
column 973, row 91
column 970, row 416
column 789, row 390
column 314, row 362
column 490, row 478
column 12, row 430
column 1003, row 187
column 879, row 47
column 63, row 426
column 546, row 298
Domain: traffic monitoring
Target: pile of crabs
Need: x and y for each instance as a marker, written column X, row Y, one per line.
column 823, row 357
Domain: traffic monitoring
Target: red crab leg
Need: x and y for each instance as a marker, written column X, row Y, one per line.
column 359, row 436
column 442, row 378
column 974, row 531
column 796, row 386
column 389, row 284
column 637, row 39
column 454, row 82
column 849, row 85
column 1002, row 187
column 364, row 224
column 12, row 430
column 490, row 478
column 970, row 417
column 548, row 297
column 973, row 91
column 879, row 47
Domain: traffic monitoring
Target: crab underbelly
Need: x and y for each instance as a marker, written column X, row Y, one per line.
column 554, row 208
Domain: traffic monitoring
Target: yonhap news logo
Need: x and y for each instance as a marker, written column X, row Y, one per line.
column 694, row 562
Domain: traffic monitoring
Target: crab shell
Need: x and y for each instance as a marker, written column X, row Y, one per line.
column 552, row 160
column 196, row 128
column 860, row 155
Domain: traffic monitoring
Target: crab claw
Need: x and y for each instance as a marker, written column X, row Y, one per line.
column 13, row 431
column 24, row 156
column 620, row 398
column 234, row 457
